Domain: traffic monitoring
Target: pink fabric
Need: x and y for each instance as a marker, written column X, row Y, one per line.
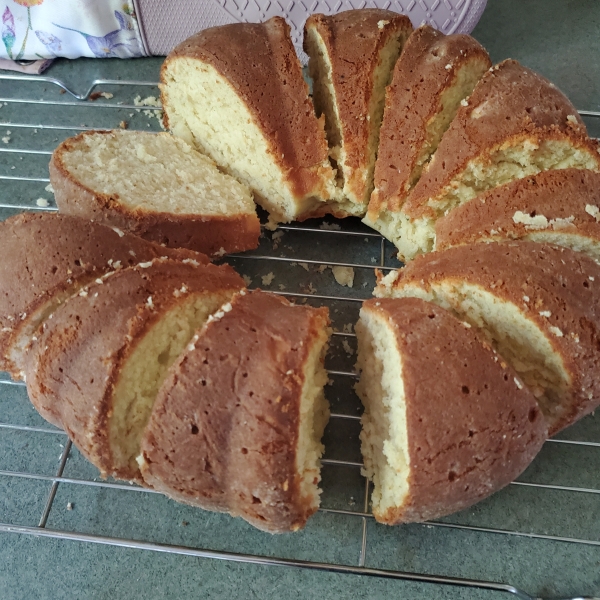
column 166, row 24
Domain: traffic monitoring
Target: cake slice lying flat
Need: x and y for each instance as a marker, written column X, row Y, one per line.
column 236, row 93
column 156, row 186
column 97, row 366
column 48, row 257
column 514, row 124
column 557, row 207
column 352, row 55
column 446, row 422
column 433, row 75
column 537, row 304
column 238, row 422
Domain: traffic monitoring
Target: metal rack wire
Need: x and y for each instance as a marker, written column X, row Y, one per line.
column 294, row 262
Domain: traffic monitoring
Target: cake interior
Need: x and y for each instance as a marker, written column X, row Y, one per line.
column 145, row 369
column 205, row 111
column 518, row 340
column 449, row 101
column 325, row 100
column 314, row 415
column 568, row 239
column 156, row 172
column 506, row 163
column 384, row 436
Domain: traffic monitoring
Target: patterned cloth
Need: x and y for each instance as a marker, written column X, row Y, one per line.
column 35, row 29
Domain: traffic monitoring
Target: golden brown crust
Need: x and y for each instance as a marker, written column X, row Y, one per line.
column 563, row 194
column 74, row 365
column 509, row 104
column 224, row 429
column 260, row 63
column 209, row 234
column 429, row 65
column 354, row 40
column 49, row 256
column 472, row 428
column 555, row 288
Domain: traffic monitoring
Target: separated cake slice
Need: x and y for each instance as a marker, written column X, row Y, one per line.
column 514, row 124
column 238, row 422
column 156, row 186
column 446, row 422
column 46, row 258
column 101, row 358
column 538, row 304
column 433, row 75
column 556, row 207
column 352, row 55
column 237, row 93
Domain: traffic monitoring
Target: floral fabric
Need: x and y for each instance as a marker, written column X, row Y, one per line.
column 35, row 29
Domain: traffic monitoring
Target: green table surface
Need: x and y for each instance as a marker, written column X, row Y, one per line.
column 558, row 38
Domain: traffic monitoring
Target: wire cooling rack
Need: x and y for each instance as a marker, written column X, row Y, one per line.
column 541, row 534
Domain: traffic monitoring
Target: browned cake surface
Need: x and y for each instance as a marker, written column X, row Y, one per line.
column 568, row 200
column 509, row 103
column 428, row 65
column 75, row 364
column 260, row 63
column 224, row 429
column 354, row 40
column 46, row 255
column 553, row 287
column 472, row 426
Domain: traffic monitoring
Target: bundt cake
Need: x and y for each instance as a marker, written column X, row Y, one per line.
column 537, row 304
column 237, row 424
column 514, row 124
column 97, row 365
column 557, row 207
column 433, row 75
column 156, row 186
column 351, row 58
column 236, row 93
column 446, row 422
column 46, row 258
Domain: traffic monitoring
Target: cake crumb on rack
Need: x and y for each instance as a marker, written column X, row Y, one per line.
column 268, row 278
column 344, row 275
column 347, row 348
column 247, row 280
column 69, row 506
column 42, row 202
column 329, row 226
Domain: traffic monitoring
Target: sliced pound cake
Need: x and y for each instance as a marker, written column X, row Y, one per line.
column 48, row 257
column 156, row 186
column 352, row 55
column 538, row 304
column 446, row 422
column 559, row 207
column 514, row 124
column 237, row 93
column 237, row 424
column 433, row 75
column 98, row 364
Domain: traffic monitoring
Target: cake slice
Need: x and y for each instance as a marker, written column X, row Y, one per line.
column 97, row 366
column 537, row 304
column 514, row 124
column 237, row 93
column 48, row 257
column 433, row 75
column 156, row 186
column 556, row 207
column 238, row 422
column 351, row 58
column 446, row 422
